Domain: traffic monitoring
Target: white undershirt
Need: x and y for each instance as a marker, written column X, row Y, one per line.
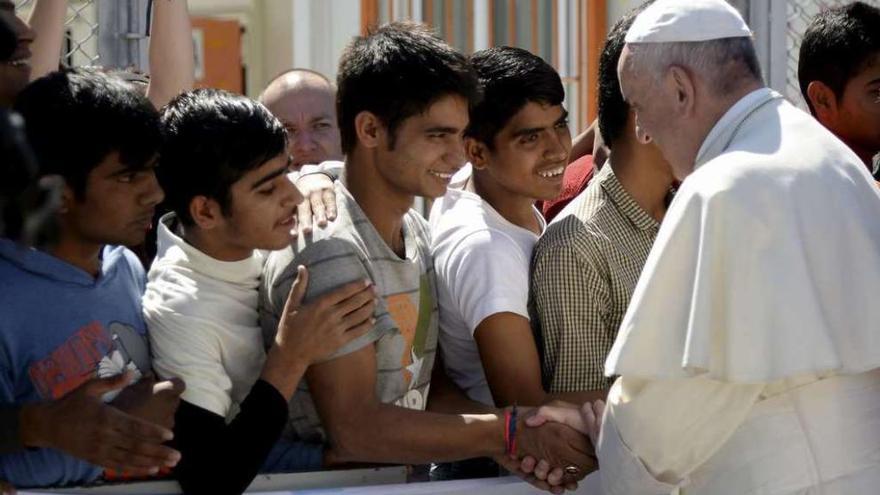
column 203, row 322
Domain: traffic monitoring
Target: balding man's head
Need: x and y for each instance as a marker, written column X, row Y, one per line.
column 305, row 102
column 685, row 63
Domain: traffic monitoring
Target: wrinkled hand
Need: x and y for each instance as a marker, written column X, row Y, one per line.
column 551, row 484
column 312, row 332
column 319, row 203
column 82, row 425
column 558, row 446
column 587, row 419
column 151, row 400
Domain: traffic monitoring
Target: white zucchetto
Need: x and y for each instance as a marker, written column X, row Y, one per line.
column 670, row 21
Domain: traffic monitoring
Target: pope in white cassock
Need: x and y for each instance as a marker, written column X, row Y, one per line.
column 748, row 358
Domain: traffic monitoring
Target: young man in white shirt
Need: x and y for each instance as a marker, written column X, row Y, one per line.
column 225, row 166
column 485, row 227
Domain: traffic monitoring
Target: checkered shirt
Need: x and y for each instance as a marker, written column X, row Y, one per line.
column 584, row 270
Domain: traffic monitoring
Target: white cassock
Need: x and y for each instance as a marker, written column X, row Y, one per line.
column 749, row 355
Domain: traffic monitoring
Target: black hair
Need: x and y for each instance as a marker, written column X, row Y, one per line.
column 837, row 45
column 212, row 139
column 76, row 117
column 613, row 109
column 509, row 78
column 395, row 72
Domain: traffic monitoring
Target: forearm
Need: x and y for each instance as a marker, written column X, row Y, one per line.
column 391, row 434
column 582, row 144
column 282, row 373
column 47, row 21
column 652, row 432
column 221, row 458
column 172, row 65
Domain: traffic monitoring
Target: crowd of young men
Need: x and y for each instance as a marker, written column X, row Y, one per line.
column 253, row 344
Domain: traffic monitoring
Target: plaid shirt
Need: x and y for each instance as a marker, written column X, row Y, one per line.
column 584, row 270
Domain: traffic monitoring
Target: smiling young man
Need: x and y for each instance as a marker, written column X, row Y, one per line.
column 403, row 104
column 224, row 167
column 485, row 227
column 72, row 312
column 839, row 74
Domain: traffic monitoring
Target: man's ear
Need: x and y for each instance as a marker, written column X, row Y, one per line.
column 823, row 101
column 477, row 153
column 369, row 129
column 67, row 198
column 684, row 89
column 205, row 212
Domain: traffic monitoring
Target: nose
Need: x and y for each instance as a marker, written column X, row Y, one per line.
column 455, row 154
column 558, row 146
column 152, row 194
column 304, row 142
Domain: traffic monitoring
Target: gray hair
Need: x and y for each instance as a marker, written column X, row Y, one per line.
column 725, row 63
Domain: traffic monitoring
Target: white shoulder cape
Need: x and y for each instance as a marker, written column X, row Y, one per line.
column 767, row 264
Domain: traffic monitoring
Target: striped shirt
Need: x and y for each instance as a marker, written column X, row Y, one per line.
column 406, row 329
column 584, row 270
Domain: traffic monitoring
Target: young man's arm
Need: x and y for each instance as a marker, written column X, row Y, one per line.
column 221, row 458
column 103, row 435
column 172, row 62
column 362, row 429
column 47, row 21
column 512, row 366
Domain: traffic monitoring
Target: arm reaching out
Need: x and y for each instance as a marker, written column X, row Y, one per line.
column 172, row 63
column 47, row 21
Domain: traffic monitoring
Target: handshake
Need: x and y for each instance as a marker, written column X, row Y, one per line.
column 553, row 446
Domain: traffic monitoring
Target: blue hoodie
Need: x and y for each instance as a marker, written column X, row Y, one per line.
column 60, row 327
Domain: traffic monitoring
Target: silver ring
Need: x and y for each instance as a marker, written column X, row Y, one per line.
column 573, row 470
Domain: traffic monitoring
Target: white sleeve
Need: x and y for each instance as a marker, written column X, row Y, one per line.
column 655, row 433
column 184, row 347
column 486, row 274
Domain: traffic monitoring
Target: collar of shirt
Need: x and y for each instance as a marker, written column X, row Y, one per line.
column 725, row 129
column 623, row 201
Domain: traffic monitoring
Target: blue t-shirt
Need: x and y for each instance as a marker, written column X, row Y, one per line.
column 60, row 327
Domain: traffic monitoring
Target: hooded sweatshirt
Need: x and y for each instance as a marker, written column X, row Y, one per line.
column 60, row 327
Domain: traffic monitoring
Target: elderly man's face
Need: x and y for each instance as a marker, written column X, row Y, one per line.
column 655, row 112
column 309, row 115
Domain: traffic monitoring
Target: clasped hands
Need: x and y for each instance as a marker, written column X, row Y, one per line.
column 556, row 445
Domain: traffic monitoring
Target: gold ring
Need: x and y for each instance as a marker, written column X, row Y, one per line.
column 573, row 470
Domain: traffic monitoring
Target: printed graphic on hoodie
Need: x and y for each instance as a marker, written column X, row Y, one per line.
column 92, row 351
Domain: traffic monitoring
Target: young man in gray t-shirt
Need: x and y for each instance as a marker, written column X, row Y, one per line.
column 403, row 100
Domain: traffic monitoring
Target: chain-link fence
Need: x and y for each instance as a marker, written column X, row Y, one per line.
column 799, row 14
column 111, row 33
column 80, row 29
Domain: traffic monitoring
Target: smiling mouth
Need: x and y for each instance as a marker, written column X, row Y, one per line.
column 441, row 175
column 19, row 62
column 553, row 172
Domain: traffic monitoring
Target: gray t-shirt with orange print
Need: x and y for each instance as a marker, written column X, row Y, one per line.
column 406, row 329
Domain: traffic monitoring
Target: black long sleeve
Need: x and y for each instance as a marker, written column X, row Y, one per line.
column 217, row 458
